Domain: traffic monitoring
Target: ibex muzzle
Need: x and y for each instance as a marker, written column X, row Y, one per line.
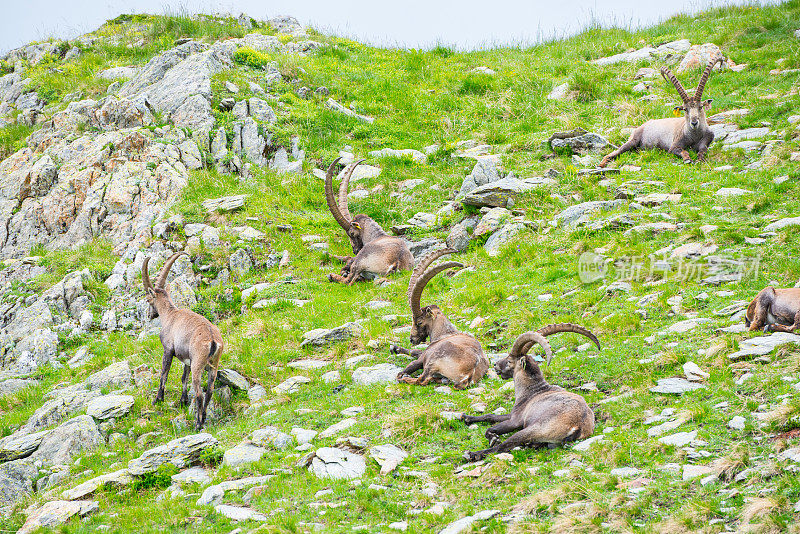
column 676, row 135
column 451, row 354
column 185, row 335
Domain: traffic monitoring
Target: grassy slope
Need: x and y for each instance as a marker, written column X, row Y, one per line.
column 424, row 97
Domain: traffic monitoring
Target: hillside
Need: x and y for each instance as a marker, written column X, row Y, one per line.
column 212, row 135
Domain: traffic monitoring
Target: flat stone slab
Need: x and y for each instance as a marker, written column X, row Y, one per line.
column 110, row 406
column 16, row 446
column 382, row 373
column 290, row 385
column 56, row 513
column 675, row 386
column 213, row 494
column 465, row 523
column 323, row 336
column 759, row 346
column 329, row 462
column 780, row 224
column 305, row 365
column 335, row 428
column 117, row 478
column 242, row 454
column 271, row 437
column 179, row 452
column 239, row 513
column 680, row 439
column 231, row 378
column 388, row 457
column 229, row 203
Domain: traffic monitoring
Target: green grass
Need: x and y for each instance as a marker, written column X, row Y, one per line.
column 421, row 97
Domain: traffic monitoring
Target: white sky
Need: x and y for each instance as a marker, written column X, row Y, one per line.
column 408, row 23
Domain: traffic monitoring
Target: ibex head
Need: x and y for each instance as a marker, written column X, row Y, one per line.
column 339, row 208
column 694, row 107
column 423, row 319
column 152, row 293
column 518, row 358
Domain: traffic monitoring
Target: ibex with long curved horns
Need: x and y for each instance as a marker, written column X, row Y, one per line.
column 454, row 355
column 376, row 252
column 678, row 134
column 542, row 413
column 185, row 335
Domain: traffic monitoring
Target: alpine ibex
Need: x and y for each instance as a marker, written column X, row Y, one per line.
column 774, row 309
column 678, row 134
column 454, row 355
column 542, row 413
column 376, row 252
column 186, row 335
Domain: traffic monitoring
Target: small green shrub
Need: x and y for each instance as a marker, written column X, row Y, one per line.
column 161, row 478
column 211, row 457
column 251, row 58
column 476, row 84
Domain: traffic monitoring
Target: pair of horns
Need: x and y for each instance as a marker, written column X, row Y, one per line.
column 698, row 93
column 338, row 207
column 161, row 281
column 525, row 342
column 422, row 275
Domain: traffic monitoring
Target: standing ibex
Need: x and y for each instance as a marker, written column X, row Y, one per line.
column 678, row 134
column 186, row 335
column 454, row 355
column 774, row 309
column 376, row 252
column 542, row 413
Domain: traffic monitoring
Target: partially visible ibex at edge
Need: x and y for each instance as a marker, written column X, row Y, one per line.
column 774, row 309
column 454, row 355
column 542, row 413
column 678, row 134
column 376, row 252
column 186, row 335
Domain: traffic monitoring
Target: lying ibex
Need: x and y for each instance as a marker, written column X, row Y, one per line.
column 774, row 309
column 376, row 252
column 186, row 335
column 678, row 134
column 451, row 354
column 542, row 413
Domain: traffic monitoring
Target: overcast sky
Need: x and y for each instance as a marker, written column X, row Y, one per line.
column 408, row 23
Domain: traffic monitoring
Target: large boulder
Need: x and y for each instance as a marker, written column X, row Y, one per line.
column 65, row 402
column 36, row 350
column 329, row 462
column 179, row 452
column 67, row 440
column 16, row 482
column 116, row 376
column 55, row 513
column 500, row 192
column 487, row 169
column 110, row 406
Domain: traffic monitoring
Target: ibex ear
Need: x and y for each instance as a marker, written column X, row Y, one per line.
column 707, row 103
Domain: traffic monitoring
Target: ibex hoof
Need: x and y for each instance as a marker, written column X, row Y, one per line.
column 768, row 329
column 394, row 349
column 471, row 456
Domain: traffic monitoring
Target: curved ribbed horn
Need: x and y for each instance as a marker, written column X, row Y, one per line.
column 334, row 209
column 667, row 74
column 419, row 287
column 524, row 343
column 343, row 190
column 161, row 281
column 568, row 327
column 698, row 93
column 146, row 274
column 423, row 264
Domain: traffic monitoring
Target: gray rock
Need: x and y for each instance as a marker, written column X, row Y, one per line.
column 290, row 385
column 190, row 155
column 324, row 336
column 224, row 204
column 116, row 376
column 261, row 111
column 335, row 463
column 33, row 318
column 589, row 142
column 498, row 193
column 336, row 106
column 229, row 377
column 214, row 494
column 242, row 454
column 240, row 263
column 491, row 221
column 486, row 170
column 22, row 445
column 675, row 386
column 383, row 373
column 16, row 482
column 335, row 428
column 506, row 234
column 55, row 513
column 416, row 155
column 465, row 523
column 782, row 223
column 193, row 475
column 239, row 513
column 759, row 346
column 68, row 440
column 559, row 92
column 65, row 402
column 680, row 439
column 253, row 143
column 12, row 385
column 303, row 435
column 271, row 437
column 36, row 350
column 179, row 452
column 307, row 365
column 110, row 406
column 116, row 73
column 388, row 457
column 117, row 479
column 579, row 212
